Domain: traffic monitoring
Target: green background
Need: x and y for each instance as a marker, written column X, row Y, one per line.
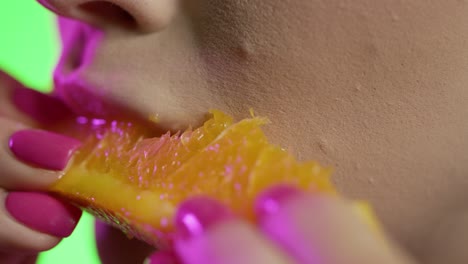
column 29, row 48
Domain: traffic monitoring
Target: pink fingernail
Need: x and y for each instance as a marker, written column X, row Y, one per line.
column 44, row 149
column 197, row 215
column 43, row 213
column 270, row 201
column 162, row 257
column 43, row 108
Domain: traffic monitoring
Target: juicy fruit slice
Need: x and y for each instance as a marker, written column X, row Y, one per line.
column 136, row 183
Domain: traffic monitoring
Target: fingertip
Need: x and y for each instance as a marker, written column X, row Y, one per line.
column 230, row 242
column 209, row 233
column 43, row 108
column 42, row 148
column 321, row 228
column 270, row 201
column 18, row 238
column 43, row 212
column 196, row 215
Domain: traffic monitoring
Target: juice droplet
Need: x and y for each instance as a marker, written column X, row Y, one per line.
column 154, row 118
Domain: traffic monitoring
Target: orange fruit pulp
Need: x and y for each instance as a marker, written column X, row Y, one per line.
column 135, row 183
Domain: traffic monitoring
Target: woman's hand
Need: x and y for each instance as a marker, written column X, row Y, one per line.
column 30, row 160
column 293, row 228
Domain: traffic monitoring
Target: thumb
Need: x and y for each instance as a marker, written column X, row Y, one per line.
column 324, row 229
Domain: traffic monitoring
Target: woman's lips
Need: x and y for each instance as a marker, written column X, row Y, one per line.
column 88, row 96
column 79, row 44
column 89, row 93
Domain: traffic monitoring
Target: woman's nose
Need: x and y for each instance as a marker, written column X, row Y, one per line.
column 141, row 15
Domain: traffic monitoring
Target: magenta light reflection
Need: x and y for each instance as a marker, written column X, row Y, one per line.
column 193, row 224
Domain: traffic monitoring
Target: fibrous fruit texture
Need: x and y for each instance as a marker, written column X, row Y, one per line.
column 136, row 183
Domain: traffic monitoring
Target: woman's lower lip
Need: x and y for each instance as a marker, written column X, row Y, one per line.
column 83, row 99
column 88, row 100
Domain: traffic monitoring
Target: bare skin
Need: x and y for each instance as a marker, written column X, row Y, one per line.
column 375, row 89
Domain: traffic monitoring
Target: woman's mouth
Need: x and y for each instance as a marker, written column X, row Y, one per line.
column 85, row 96
column 79, row 42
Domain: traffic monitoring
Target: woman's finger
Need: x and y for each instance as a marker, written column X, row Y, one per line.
column 31, row 159
column 209, row 234
column 7, row 106
column 27, row 106
column 18, row 259
column 322, row 229
column 33, row 222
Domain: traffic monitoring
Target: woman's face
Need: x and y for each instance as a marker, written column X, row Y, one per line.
column 376, row 89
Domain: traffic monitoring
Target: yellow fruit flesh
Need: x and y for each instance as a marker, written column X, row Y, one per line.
column 136, row 183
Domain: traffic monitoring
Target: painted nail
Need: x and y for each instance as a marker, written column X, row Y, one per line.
column 270, row 201
column 197, row 215
column 162, row 257
column 43, row 108
column 43, row 213
column 42, row 148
